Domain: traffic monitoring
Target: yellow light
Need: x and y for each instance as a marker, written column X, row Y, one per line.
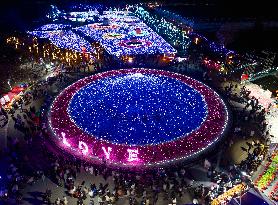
column 196, row 40
column 130, row 59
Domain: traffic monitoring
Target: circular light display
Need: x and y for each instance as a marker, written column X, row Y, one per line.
column 135, row 43
column 137, row 117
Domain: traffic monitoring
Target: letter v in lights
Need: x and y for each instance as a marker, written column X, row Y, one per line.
column 107, row 153
column 65, row 142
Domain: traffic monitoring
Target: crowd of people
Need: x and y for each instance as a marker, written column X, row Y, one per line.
column 142, row 187
column 3, row 117
column 29, row 121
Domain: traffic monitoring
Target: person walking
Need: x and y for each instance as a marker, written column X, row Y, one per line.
column 65, row 200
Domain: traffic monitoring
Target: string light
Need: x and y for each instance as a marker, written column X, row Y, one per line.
column 178, row 19
column 165, row 28
column 65, row 39
column 118, row 37
column 125, row 35
column 51, row 27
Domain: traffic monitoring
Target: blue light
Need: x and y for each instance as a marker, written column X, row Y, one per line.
column 138, row 109
column 152, row 43
column 70, row 40
column 66, row 39
column 48, row 27
column 120, row 22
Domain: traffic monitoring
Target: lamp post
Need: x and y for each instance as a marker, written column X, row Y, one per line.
column 9, row 83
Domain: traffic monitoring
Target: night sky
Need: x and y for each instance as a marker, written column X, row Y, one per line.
column 26, row 14
column 18, row 13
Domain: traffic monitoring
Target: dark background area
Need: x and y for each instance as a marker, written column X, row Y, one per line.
column 21, row 14
column 18, row 13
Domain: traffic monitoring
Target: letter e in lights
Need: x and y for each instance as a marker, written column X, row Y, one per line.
column 65, row 142
column 132, row 155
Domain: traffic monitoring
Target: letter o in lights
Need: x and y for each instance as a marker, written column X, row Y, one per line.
column 83, row 147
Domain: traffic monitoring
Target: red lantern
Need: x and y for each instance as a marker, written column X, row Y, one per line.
column 244, row 76
column 138, row 31
column 83, row 48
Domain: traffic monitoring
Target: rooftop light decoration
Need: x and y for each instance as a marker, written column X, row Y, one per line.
column 126, row 35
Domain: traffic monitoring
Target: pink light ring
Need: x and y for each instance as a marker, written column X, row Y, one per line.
column 191, row 142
